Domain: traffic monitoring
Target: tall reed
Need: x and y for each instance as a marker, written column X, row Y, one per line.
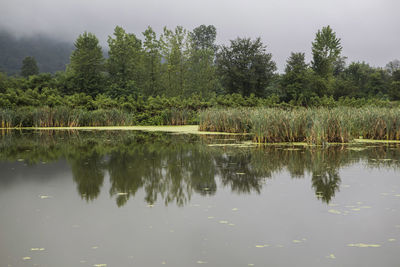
column 314, row 126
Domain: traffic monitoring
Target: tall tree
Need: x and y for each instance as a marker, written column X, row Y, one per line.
column 296, row 80
column 175, row 46
column 245, row 67
column 124, row 62
column 393, row 66
column 202, row 78
column 29, row 67
column 152, row 63
column 326, row 51
column 87, row 64
column 203, row 37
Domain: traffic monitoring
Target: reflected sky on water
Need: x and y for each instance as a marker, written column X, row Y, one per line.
column 87, row 198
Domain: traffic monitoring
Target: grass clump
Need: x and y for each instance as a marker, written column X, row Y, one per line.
column 313, row 125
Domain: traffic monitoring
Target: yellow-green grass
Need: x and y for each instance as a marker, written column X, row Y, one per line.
column 316, row 126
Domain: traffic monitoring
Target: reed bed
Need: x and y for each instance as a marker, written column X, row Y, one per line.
column 68, row 117
column 314, row 126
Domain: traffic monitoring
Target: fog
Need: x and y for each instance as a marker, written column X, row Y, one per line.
column 369, row 29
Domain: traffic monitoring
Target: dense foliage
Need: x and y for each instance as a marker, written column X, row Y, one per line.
column 175, row 74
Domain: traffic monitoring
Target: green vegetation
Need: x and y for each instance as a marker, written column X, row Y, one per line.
column 314, row 126
column 29, row 67
column 170, row 78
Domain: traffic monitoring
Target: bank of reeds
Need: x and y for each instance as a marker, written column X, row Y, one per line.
column 68, row 117
column 314, row 126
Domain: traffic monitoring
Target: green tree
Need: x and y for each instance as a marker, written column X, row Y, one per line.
column 29, row 67
column 203, row 37
column 245, row 67
column 202, row 78
column 295, row 82
column 87, row 65
column 124, row 63
column 393, row 66
column 151, row 63
column 175, row 46
column 326, row 51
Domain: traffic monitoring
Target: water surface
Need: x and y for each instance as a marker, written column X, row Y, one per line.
column 122, row 198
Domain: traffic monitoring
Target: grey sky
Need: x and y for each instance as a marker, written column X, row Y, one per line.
column 369, row 29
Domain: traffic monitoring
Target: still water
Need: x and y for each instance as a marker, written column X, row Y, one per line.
column 122, row 198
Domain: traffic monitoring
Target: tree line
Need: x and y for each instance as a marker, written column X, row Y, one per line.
column 184, row 63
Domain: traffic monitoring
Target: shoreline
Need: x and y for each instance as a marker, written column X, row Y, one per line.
column 188, row 129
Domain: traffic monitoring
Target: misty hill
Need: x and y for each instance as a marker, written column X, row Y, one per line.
column 51, row 55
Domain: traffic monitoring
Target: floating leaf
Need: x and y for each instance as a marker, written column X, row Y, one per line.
column 391, row 239
column 45, row 197
column 362, row 245
column 331, row 256
column 100, row 265
column 95, row 247
column 296, row 241
column 163, row 262
column 334, row 211
column 223, row 222
column 260, row 246
column 37, row 249
column 201, row 262
column 235, row 209
column 210, row 217
column 26, row 258
column 122, row 194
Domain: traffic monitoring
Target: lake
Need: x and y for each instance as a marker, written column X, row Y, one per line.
column 131, row 198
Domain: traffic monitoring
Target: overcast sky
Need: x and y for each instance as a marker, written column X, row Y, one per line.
column 369, row 29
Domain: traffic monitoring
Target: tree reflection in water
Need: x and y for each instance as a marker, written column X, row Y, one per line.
column 173, row 167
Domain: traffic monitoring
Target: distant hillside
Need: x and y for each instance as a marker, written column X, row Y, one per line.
column 51, row 55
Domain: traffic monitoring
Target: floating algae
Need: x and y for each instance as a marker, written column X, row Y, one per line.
column 37, row 249
column 334, row 211
column 362, row 245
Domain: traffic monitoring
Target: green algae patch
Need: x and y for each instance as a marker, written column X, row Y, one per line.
column 186, row 129
column 369, row 141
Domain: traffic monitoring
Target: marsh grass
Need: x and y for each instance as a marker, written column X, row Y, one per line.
column 69, row 117
column 314, row 126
